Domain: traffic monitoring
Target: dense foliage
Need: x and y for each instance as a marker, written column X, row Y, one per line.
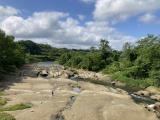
column 15, row 54
column 35, row 52
column 140, row 64
column 11, row 54
column 93, row 60
column 137, row 65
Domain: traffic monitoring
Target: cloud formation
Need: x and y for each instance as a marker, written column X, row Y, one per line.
column 60, row 30
column 81, row 17
column 7, row 11
column 50, row 27
column 147, row 18
column 38, row 25
column 121, row 10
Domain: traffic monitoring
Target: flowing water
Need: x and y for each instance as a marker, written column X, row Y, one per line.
column 129, row 89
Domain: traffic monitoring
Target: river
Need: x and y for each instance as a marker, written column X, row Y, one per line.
column 129, row 89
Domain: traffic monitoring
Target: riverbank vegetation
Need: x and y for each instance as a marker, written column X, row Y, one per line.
column 15, row 54
column 137, row 65
column 11, row 54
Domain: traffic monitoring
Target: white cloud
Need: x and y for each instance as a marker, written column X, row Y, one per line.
column 100, row 28
column 49, row 28
column 60, row 30
column 117, row 40
column 81, row 17
column 121, row 10
column 39, row 25
column 7, row 11
column 147, row 18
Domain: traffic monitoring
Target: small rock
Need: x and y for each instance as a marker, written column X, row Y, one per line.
column 32, row 110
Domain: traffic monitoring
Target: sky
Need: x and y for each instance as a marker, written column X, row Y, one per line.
column 80, row 24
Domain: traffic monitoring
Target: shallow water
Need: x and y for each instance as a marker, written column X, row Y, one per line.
column 129, row 89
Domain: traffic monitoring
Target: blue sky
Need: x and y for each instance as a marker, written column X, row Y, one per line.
column 80, row 23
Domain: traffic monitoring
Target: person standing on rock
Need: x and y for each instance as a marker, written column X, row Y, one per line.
column 52, row 93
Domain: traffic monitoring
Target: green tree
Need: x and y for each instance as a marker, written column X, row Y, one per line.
column 11, row 55
column 64, row 58
column 30, row 47
column 105, row 49
column 92, row 49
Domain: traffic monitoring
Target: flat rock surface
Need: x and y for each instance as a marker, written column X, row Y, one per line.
column 92, row 102
column 100, row 103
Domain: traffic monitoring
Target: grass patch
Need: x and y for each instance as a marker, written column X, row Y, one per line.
column 1, row 93
column 15, row 107
column 6, row 116
column 3, row 101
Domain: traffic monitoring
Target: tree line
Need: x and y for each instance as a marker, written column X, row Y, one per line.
column 93, row 60
column 136, row 64
column 14, row 54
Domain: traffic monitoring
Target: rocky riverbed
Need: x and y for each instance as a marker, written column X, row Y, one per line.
column 72, row 100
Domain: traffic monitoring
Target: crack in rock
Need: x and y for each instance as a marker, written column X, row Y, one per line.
column 59, row 116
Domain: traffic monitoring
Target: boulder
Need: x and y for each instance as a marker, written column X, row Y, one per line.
column 142, row 93
column 155, row 97
column 50, row 73
column 69, row 73
column 157, row 106
column 44, row 73
column 64, row 75
column 152, row 90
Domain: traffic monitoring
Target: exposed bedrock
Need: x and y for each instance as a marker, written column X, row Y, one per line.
column 97, row 102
